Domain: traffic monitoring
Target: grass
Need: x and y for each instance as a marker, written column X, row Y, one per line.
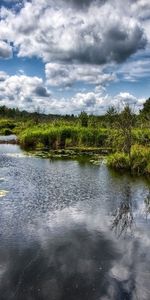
column 58, row 134
column 53, row 137
column 6, row 127
column 138, row 164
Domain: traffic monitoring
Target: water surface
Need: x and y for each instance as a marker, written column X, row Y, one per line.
column 8, row 138
column 70, row 230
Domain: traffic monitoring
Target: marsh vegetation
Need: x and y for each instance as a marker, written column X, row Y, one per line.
column 123, row 136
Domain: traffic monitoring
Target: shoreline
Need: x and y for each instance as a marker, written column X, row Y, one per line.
column 116, row 161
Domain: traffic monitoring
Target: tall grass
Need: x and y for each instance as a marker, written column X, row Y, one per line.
column 62, row 136
column 6, row 127
column 139, row 163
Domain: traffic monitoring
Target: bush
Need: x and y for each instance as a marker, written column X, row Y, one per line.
column 140, row 159
column 119, row 161
column 141, row 136
column 138, row 164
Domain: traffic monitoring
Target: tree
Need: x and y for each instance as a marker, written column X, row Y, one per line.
column 125, row 123
column 145, row 111
column 111, row 114
column 83, row 117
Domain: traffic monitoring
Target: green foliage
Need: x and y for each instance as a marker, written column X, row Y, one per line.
column 7, row 127
column 125, row 124
column 145, row 112
column 111, row 115
column 119, row 161
column 127, row 136
column 139, row 163
column 58, row 136
column 7, row 124
column 83, row 117
column 140, row 159
column 141, row 136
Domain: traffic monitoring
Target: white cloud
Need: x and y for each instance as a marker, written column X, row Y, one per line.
column 125, row 98
column 3, row 76
column 5, row 50
column 99, row 102
column 67, row 74
column 30, row 93
column 54, row 31
column 22, row 91
column 141, row 8
column 79, row 42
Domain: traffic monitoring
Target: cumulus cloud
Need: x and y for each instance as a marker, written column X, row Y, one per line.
column 99, row 102
column 67, row 74
column 41, row 91
column 98, row 35
column 5, row 50
column 82, row 43
column 3, row 76
column 22, row 91
column 141, row 8
column 134, row 70
column 30, row 93
column 126, row 98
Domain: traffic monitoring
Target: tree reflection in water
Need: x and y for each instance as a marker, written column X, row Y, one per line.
column 147, row 204
column 123, row 223
column 123, row 217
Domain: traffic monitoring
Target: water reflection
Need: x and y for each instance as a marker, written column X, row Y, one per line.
column 75, row 262
column 8, row 139
column 70, row 265
column 71, row 231
column 147, row 204
column 123, row 218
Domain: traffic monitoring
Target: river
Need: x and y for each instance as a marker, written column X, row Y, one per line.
column 70, row 230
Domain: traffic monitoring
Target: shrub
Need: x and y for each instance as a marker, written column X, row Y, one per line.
column 139, row 163
column 119, row 161
column 140, row 159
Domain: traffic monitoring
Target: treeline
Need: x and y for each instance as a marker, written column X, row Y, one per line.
column 15, row 113
column 107, row 120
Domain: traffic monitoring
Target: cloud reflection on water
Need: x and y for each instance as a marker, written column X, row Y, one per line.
column 71, row 257
column 71, row 231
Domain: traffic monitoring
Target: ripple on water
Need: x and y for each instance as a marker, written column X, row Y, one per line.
column 71, row 231
column 3, row 193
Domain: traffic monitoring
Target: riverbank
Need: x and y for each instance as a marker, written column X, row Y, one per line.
column 8, row 139
column 138, row 163
column 73, row 141
column 69, row 141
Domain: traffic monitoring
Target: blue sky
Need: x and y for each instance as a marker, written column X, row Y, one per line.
column 67, row 56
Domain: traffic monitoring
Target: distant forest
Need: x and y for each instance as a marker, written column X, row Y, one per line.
column 111, row 115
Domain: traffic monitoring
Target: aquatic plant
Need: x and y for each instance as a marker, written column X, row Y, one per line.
column 57, row 137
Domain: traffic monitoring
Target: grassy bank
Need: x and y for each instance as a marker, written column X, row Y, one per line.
column 138, row 163
column 76, row 140
column 60, row 137
column 7, row 127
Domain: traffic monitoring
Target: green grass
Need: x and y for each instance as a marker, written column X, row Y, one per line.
column 6, row 127
column 138, row 164
column 59, row 134
column 54, row 137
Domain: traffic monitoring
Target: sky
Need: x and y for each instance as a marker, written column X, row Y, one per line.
column 68, row 56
